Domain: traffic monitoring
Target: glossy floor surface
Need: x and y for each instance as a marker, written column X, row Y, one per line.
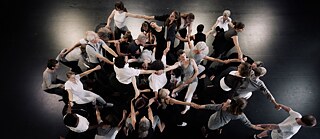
column 283, row 34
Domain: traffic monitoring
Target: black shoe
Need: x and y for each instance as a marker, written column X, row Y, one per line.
column 108, row 105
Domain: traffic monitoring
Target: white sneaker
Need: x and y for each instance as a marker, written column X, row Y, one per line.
column 183, row 124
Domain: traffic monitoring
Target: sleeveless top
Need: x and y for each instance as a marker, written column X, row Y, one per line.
column 188, row 72
column 119, row 19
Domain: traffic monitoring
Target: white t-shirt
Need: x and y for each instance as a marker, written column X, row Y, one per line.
column 75, row 54
column 288, row 127
column 79, row 95
column 124, row 74
column 82, row 126
column 222, row 24
column 156, row 82
column 119, row 19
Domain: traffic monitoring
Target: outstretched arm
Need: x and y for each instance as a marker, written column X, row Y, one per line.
column 109, row 50
column 284, row 107
column 98, row 67
column 134, row 15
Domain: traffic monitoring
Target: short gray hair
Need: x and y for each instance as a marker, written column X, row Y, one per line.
column 227, row 13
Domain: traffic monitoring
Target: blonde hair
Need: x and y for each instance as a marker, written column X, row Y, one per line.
column 227, row 13
column 162, row 95
column 91, row 35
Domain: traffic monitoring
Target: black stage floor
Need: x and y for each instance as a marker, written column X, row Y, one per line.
column 283, row 34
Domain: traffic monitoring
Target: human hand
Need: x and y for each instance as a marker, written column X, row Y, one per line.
column 98, row 67
column 196, row 106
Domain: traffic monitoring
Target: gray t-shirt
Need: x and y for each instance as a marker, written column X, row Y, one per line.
column 221, row 118
column 255, row 84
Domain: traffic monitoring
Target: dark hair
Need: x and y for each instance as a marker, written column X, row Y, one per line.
column 157, row 65
column 176, row 19
column 238, row 25
column 190, row 15
column 70, row 120
column 245, row 69
column 309, row 120
column 180, row 52
column 69, row 73
column 145, row 24
column 119, row 61
column 200, row 28
column 259, row 63
column 177, row 72
column 237, row 106
column 140, row 103
column 143, row 128
column 120, row 6
column 111, row 120
column 52, row 63
column 129, row 35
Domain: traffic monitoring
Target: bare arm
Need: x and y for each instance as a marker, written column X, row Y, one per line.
column 136, row 90
column 150, row 115
column 189, row 43
column 104, row 59
column 284, row 107
column 98, row 67
column 269, row 126
column 107, row 48
column 180, row 38
column 134, row 15
column 148, row 17
column 213, row 59
column 117, row 45
column 133, row 115
column 110, row 18
column 178, row 102
column 196, row 72
column 176, row 65
column 70, row 96
column 70, row 49
column 124, row 113
column 237, row 45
